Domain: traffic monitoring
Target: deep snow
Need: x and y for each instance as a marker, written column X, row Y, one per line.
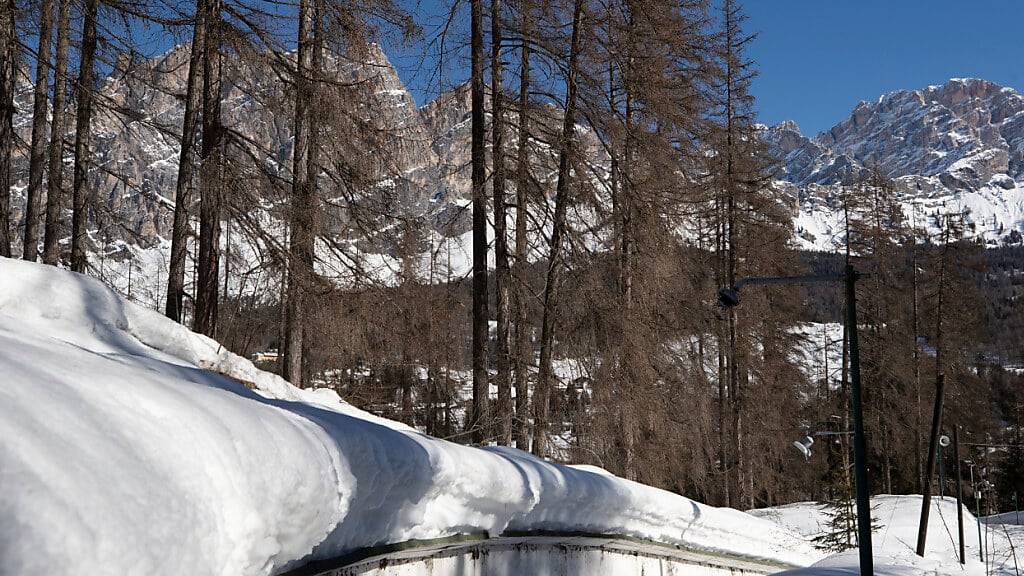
column 123, row 451
column 895, row 541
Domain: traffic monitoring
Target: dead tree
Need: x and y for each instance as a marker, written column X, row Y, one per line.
column 186, row 170
column 479, row 420
column 542, row 394
column 211, row 178
column 304, row 173
column 55, row 183
column 523, row 348
column 37, row 146
column 8, row 68
column 85, row 87
column 502, row 273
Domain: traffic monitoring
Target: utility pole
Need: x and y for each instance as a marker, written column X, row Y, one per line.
column 729, row 297
column 933, row 448
column 977, row 512
column 959, row 494
column 942, row 466
column 867, row 561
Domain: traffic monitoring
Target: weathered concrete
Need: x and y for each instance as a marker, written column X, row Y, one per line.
column 542, row 556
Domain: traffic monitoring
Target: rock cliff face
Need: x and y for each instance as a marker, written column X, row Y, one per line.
column 413, row 163
column 955, row 147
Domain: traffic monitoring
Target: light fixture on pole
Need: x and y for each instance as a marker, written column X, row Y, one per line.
column 804, row 446
column 729, row 297
column 943, row 443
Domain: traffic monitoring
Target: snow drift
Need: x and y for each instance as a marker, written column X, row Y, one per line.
column 895, row 540
column 130, row 445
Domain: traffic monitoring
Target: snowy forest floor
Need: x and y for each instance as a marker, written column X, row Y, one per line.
column 895, row 539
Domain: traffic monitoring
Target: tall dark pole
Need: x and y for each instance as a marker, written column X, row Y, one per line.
column 942, row 469
column 977, row 513
column 959, row 493
column 867, row 567
column 933, row 448
column 729, row 296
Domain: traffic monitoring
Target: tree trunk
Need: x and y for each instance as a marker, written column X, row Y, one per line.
column 210, row 179
column 731, row 248
column 55, row 183
column 501, row 268
column 83, row 119
column 524, row 351
column 8, row 68
column 37, row 146
column 479, row 419
column 542, row 393
column 186, row 170
column 300, row 248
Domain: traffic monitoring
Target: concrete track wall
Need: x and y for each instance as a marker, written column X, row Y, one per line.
column 544, row 556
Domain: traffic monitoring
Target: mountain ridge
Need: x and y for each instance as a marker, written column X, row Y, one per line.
column 950, row 147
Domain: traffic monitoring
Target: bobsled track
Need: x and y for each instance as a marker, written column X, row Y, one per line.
column 536, row 554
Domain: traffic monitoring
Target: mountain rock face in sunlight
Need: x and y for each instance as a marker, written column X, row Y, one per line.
column 408, row 160
column 951, row 148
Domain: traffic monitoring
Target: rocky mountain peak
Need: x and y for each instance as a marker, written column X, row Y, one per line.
column 928, row 132
column 958, row 146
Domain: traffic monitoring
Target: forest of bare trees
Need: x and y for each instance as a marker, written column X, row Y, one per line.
column 616, row 179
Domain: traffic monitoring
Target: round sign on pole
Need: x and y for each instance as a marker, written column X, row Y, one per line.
column 943, row 440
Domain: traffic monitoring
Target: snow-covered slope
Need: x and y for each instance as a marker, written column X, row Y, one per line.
column 895, row 540
column 122, row 453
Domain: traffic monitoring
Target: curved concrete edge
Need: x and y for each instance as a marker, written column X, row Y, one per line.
column 474, row 544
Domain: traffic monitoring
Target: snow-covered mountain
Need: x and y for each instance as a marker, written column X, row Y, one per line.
column 955, row 147
column 950, row 148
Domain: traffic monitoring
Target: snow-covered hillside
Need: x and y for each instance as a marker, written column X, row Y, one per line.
column 124, row 451
column 895, row 540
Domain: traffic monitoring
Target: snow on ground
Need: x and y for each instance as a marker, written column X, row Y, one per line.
column 895, row 541
column 130, row 445
column 1015, row 518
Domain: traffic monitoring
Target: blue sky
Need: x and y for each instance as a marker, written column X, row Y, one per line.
column 819, row 58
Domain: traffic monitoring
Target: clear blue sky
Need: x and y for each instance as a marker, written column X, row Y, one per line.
column 819, row 58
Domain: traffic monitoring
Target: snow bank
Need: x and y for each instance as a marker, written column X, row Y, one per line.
column 1014, row 518
column 895, row 541
column 124, row 451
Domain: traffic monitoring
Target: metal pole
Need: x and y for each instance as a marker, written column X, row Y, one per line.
column 867, row 567
column 933, row 448
column 959, row 494
column 977, row 514
column 942, row 472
